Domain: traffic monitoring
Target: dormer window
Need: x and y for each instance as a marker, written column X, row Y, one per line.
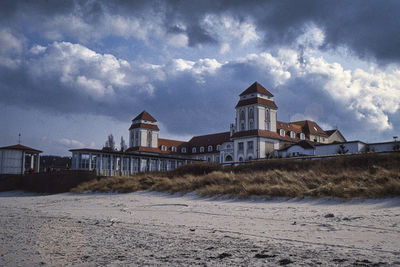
column 209, row 148
column 292, row 134
column 201, row 149
column 183, row 149
column 282, row 132
column 218, row 147
column 193, row 150
column 173, row 149
column 163, row 148
column 302, row 136
column 315, row 128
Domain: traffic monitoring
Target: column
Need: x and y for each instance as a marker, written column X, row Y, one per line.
column 111, row 165
column 101, row 165
column 32, row 161
column 23, row 163
column 37, row 163
column 90, row 161
column 122, row 165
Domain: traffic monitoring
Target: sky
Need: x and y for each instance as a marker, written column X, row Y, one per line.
column 73, row 72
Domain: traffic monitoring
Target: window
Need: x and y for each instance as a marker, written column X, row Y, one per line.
column 228, row 146
column 136, row 139
column 149, row 138
column 173, row 149
column 209, row 159
column 209, row 148
column 228, row 158
column 241, row 147
column 218, row 147
column 163, row 148
column 242, row 118
column 193, row 150
column 282, row 132
column 302, row 136
column 201, row 149
column 183, row 149
column 240, row 159
column 251, row 119
column 315, row 128
column 292, row 134
column 217, row 159
column 250, row 146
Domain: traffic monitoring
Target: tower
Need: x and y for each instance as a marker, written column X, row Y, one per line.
column 144, row 131
column 256, row 110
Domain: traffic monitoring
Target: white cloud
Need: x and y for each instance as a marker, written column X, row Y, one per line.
column 80, row 68
column 11, row 47
column 71, row 143
column 230, row 30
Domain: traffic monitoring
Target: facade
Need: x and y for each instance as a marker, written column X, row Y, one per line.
column 18, row 159
column 255, row 134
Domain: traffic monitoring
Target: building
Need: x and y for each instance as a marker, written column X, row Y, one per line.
column 19, row 159
column 255, row 134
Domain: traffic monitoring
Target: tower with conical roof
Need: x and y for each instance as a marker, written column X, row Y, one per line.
column 256, row 110
column 143, row 131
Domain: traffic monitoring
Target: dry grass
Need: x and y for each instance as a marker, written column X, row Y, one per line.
column 361, row 178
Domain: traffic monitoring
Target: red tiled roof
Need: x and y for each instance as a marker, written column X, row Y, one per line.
column 145, row 116
column 169, row 144
column 311, row 127
column 21, row 147
column 144, row 125
column 209, row 139
column 256, row 100
column 256, row 88
column 288, row 127
column 263, row 133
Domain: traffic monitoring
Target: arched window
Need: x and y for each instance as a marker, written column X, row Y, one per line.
column 149, row 138
column 240, row 159
column 209, row 148
column 228, row 158
column 250, row 157
column 193, row 150
column 302, row 136
column 183, row 149
column 136, row 139
column 282, row 132
column 292, row 134
column 251, row 119
column 201, row 149
column 242, row 119
column 218, row 147
column 163, row 148
column 173, row 149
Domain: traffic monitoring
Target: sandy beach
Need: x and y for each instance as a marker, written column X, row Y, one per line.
column 147, row 228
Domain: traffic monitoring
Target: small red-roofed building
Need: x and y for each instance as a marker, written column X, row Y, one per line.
column 19, row 159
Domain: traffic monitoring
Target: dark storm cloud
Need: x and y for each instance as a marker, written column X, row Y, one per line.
column 370, row 29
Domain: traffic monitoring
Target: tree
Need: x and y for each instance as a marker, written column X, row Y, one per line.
column 342, row 149
column 110, row 143
column 123, row 145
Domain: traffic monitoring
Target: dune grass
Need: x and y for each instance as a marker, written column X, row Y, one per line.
column 363, row 176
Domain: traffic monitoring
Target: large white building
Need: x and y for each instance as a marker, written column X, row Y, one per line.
column 255, row 134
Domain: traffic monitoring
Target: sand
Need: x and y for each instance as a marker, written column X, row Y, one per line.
column 147, row 228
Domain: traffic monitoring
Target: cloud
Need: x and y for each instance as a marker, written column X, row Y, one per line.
column 71, row 143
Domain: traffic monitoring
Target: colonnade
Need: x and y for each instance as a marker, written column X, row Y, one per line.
column 109, row 164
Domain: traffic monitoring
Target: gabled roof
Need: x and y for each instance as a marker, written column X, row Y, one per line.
column 256, row 88
column 262, row 133
column 145, row 126
column 256, row 100
column 209, row 139
column 311, row 127
column 144, row 116
column 304, row 144
column 21, row 147
column 288, row 127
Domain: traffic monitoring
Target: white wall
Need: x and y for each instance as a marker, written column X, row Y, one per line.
column 382, row 146
column 332, row 149
column 11, row 161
